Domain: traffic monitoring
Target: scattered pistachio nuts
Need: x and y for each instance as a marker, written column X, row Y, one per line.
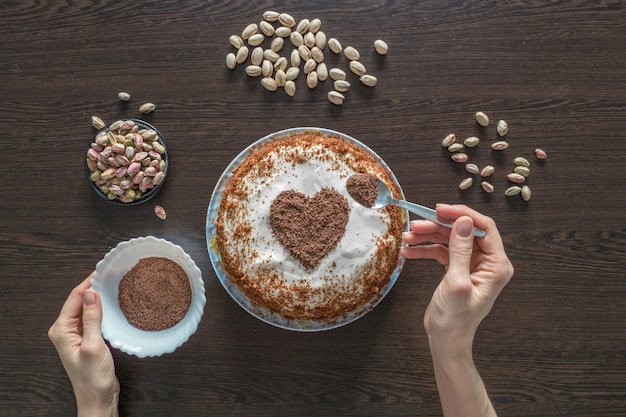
column 487, row 187
column 381, row 46
column 351, row 53
column 309, row 43
column 521, row 161
column 160, row 212
column 540, row 154
column 123, row 96
column 522, row 170
column 471, row 141
column 502, row 128
column 499, row 145
column 511, row 191
column 368, row 80
column 487, row 171
column 459, row 157
column 97, row 122
column 147, row 108
column 472, row 168
column 466, row 183
column 482, row 118
column 456, row 147
column 526, row 192
column 516, row 178
column 336, row 97
column 448, row 140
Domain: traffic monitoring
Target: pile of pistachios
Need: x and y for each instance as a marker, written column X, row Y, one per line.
column 308, row 43
column 520, row 169
column 126, row 161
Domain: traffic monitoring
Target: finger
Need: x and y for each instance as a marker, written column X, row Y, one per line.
column 460, row 251
column 92, row 320
column 411, row 238
column 424, row 226
column 492, row 242
column 437, row 252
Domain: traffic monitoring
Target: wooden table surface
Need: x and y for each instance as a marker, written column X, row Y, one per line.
column 554, row 344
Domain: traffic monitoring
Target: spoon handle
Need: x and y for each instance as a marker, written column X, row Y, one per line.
column 430, row 214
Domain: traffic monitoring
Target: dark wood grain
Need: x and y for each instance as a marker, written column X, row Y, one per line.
column 554, row 342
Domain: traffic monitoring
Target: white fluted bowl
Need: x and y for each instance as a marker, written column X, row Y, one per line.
column 115, row 327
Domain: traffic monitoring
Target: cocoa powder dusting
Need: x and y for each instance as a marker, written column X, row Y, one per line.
column 155, row 294
column 309, row 227
column 363, row 188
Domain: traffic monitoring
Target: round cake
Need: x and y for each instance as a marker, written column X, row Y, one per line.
column 291, row 238
column 155, row 294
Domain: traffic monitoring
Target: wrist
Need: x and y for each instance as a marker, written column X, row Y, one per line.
column 446, row 346
column 98, row 409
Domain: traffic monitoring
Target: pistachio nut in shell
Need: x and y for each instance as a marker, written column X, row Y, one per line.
column 466, row 183
column 526, row 194
column 482, row 118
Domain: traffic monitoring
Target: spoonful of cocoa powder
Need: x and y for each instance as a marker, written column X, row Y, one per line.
column 373, row 193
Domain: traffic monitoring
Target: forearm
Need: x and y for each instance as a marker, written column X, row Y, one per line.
column 461, row 390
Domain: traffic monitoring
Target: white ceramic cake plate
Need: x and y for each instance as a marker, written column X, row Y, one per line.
column 115, row 328
column 263, row 313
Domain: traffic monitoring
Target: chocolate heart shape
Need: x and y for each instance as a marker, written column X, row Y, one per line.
column 309, row 227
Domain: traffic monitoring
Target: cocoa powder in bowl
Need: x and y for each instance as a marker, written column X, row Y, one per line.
column 155, row 294
column 363, row 188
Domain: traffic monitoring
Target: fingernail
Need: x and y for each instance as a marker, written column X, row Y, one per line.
column 89, row 298
column 465, row 227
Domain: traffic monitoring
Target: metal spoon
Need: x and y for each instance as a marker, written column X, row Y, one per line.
column 384, row 198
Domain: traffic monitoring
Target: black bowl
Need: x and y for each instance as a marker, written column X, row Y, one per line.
column 150, row 192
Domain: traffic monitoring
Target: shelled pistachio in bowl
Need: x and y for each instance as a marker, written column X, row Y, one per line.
column 127, row 162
